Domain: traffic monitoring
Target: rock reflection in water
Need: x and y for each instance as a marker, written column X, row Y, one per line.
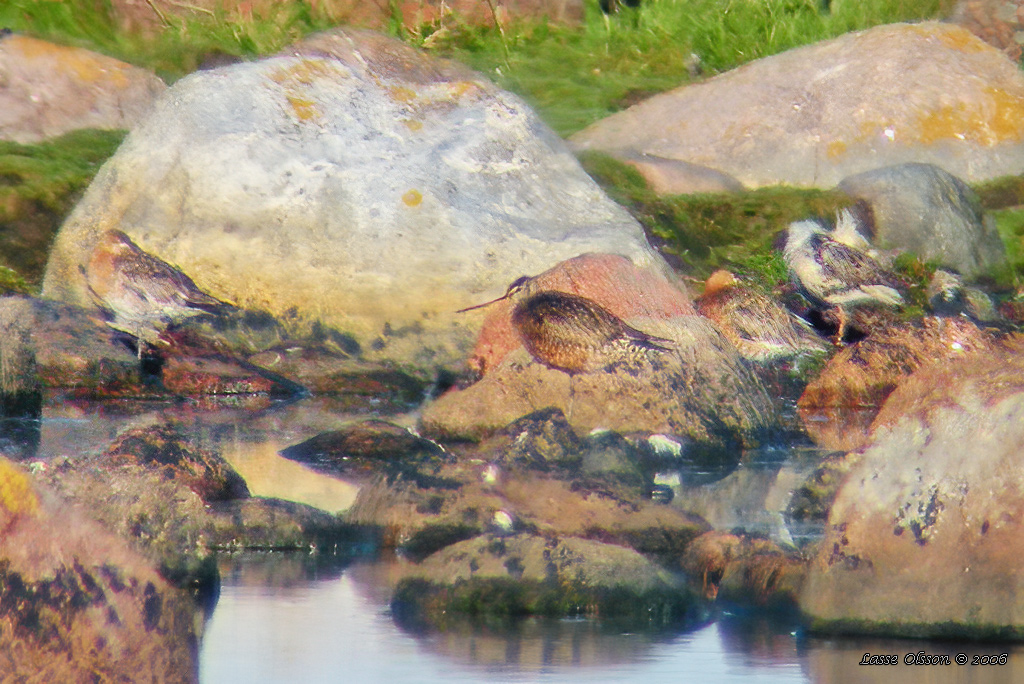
column 278, row 624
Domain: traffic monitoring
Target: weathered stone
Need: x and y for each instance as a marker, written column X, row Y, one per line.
column 925, row 535
column 52, row 89
column 722, row 403
column 367, row 448
column 165, row 450
column 919, row 208
column 541, row 440
column 814, row 115
column 78, row 604
column 313, row 186
column 675, row 177
column 275, row 524
column 997, row 22
column 71, row 349
column 526, row 574
column 863, row 374
column 467, row 498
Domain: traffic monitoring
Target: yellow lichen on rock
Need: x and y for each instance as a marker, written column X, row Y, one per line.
column 835, row 149
column 297, row 80
column 16, row 494
column 86, row 66
column 413, row 198
column 999, row 118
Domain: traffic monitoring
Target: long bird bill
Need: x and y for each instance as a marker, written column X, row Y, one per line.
column 516, row 285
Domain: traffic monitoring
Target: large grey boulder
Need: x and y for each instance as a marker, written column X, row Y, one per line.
column 922, row 209
column 925, row 536
column 355, row 183
column 899, row 93
column 47, row 90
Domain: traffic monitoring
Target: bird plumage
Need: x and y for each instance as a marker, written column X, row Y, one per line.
column 760, row 329
column 572, row 333
column 832, row 273
column 141, row 294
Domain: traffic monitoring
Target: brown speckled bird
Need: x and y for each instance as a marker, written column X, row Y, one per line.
column 140, row 294
column 760, row 329
column 834, row 274
column 574, row 334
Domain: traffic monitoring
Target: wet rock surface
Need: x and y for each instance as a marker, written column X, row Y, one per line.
column 78, row 603
column 932, row 502
column 817, row 114
column 535, row 575
column 863, row 374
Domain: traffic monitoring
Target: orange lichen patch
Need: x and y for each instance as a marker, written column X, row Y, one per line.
column 16, row 494
column 997, row 118
column 462, row 88
column 835, row 149
column 608, row 279
column 413, row 198
column 304, row 109
column 413, row 124
column 402, row 94
column 305, row 72
column 955, row 37
column 86, row 66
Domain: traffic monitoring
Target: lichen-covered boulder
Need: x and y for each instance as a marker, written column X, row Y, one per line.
column 927, row 92
column 529, row 574
column 51, row 89
column 78, row 603
column 354, row 183
column 925, row 535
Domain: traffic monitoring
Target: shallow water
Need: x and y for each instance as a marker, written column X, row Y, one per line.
column 291, row 618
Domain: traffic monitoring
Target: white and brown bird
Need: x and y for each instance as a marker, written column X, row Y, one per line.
column 760, row 329
column 141, row 294
column 835, row 275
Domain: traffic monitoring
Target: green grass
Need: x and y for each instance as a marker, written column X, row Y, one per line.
column 39, row 185
column 573, row 76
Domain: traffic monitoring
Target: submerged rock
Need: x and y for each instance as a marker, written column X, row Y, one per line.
column 925, row 536
column 811, row 116
column 920, row 208
column 366, row 448
column 51, row 89
column 312, row 185
column 534, row 575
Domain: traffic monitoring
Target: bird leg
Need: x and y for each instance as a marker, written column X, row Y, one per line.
column 840, row 326
column 572, row 400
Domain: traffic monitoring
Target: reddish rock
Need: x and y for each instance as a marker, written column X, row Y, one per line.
column 78, row 604
column 997, row 22
column 51, row 89
column 165, row 449
column 927, row 530
column 863, row 374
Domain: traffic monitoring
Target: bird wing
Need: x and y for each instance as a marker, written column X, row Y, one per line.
column 851, row 267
